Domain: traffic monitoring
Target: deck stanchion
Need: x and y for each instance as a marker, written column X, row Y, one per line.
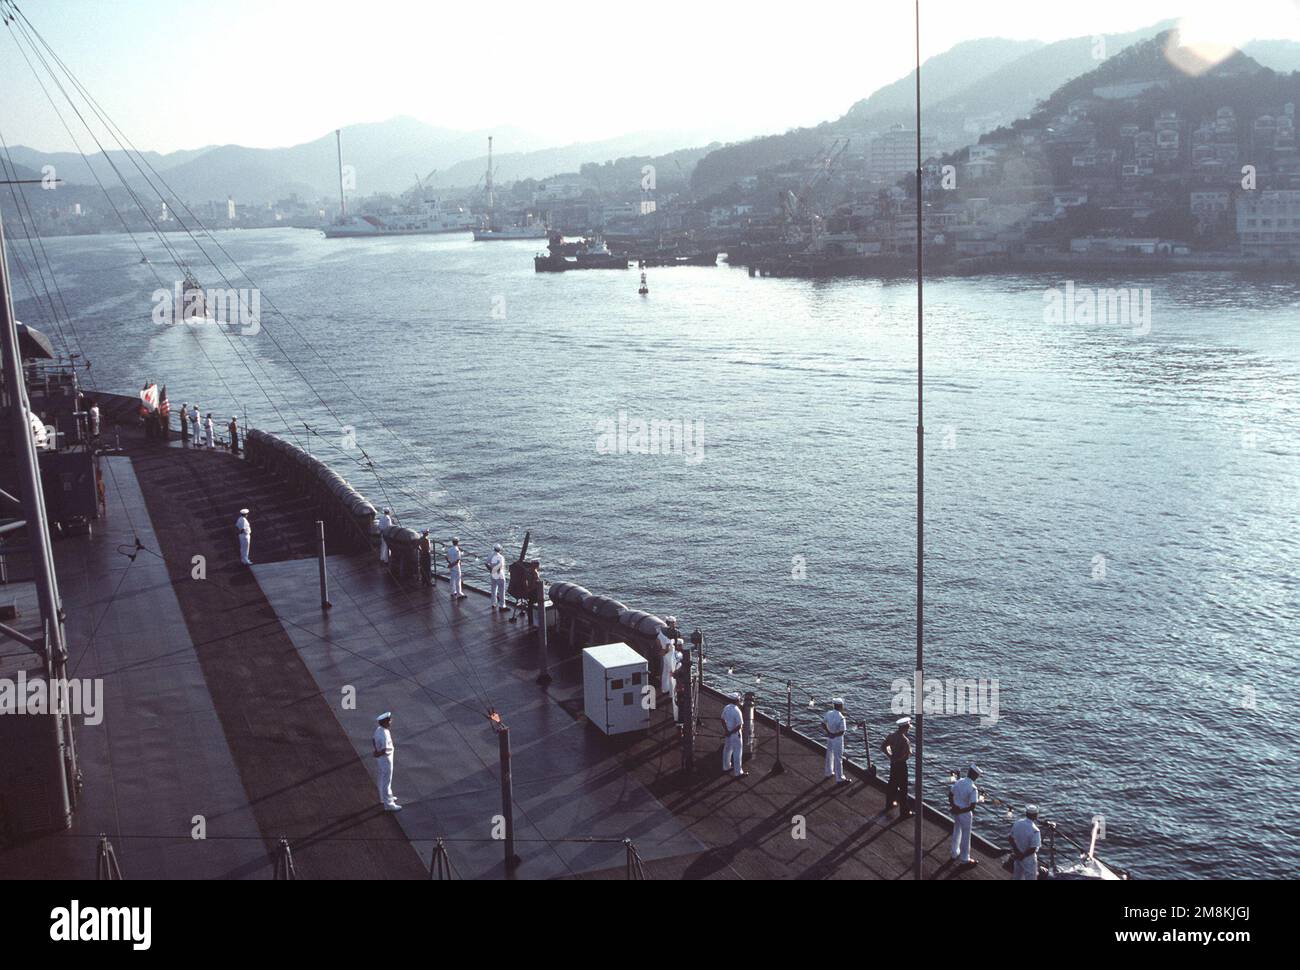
column 544, row 660
column 106, row 866
column 325, row 603
column 866, row 745
column 635, row 870
column 747, row 713
column 697, row 640
column 440, row 864
column 284, row 869
column 688, row 716
column 507, row 793
column 779, row 768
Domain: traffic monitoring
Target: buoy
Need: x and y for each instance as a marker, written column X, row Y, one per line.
column 645, row 288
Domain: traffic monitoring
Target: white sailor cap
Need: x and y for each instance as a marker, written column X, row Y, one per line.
column 388, row 511
column 497, row 547
column 837, row 702
column 904, row 721
column 670, row 620
column 424, row 532
column 735, row 696
column 973, row 770
column 383, row 717
column 1031, row 811
column 455, row 541
column 243, row 511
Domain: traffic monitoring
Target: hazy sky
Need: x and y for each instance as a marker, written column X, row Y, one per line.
column 187, row 73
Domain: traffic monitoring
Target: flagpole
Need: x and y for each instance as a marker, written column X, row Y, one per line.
column 920, row 472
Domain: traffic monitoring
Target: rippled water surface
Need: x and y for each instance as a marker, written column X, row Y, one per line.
column 1158, row 694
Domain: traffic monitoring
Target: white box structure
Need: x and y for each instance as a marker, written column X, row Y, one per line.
column 614, row 681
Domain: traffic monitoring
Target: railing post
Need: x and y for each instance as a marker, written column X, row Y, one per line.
column 544, row 661
column 688, row 715
column 635, row 870
column 284, row 869
column 440, row 864
column 747, row 712
column 779, row 768
column 106, row 866
column 507, row 796
column 325, row 603
column 697, row 639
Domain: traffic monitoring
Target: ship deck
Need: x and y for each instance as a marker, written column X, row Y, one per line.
column 229, row 697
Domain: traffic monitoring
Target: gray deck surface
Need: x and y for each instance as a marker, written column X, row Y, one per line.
column 160, row 756
column 226, row 699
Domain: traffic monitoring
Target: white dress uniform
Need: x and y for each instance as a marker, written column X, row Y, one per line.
column 94, row 420
column 385, row 522
column 194, row 424
column 964, row 795
column 835, row 728
column 497, row 562
column 383, row 742
column 733, row 746
column 453, row 561
column 672, row 659
column 208, row 430
column 1026, row 836
column 674, row 663
column 245, row 539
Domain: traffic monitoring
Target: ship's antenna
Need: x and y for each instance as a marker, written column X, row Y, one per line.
column 920, row 467
column 343, row 201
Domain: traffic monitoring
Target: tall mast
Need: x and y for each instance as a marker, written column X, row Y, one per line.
column 491, row 204
column 343, row 202
column 920, row 470
column 52, row 646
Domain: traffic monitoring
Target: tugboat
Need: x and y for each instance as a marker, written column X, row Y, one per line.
column 193, row 302
column 588, row 254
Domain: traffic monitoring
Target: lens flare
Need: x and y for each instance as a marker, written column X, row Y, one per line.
column 1203, row 41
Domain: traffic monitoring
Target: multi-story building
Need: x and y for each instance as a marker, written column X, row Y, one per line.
column 1268, row 224
column 892, row 154
column 1213, row 210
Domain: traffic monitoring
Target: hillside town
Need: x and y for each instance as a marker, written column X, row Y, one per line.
column 1134, row 160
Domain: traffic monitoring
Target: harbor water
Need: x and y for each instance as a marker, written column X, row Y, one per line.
column 1111, row 506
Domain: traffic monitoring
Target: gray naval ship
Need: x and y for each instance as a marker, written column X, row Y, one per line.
column 168, row 711
column 218, row 720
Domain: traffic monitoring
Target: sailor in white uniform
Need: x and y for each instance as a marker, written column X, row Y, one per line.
column 454, row 557
column 385, row 522
column 245, row 537
column 733, row 745
column 94, row 420
column 670, row 642
column 209, row 431
column 962, row 800
column 497, row 565
column 1025, row 843
column 383, row 752
column 834, row 727
column 194, row 424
